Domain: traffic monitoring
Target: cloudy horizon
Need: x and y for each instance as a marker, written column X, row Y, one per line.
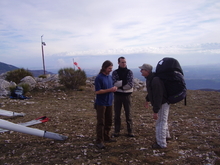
column 90, row 32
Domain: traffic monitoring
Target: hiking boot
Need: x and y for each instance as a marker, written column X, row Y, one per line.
column 168, row 138
column 130, row 135
column 156, row 146
column 100, row 145
column 110, row 141
column 116, row 134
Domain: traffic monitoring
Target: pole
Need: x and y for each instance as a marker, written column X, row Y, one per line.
column 42, row 44
column 73, row 64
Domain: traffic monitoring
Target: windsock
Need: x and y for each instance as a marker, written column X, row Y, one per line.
column 75, row 63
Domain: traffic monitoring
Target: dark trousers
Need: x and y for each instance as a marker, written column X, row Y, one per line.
column 124, row 100
column 104, row 123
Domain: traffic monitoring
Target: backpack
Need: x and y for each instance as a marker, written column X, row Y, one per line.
column 17, row 93
column 170, row 72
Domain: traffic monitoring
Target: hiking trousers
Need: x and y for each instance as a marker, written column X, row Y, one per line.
column 104, row 123
column 125, row 100
column 162, row 131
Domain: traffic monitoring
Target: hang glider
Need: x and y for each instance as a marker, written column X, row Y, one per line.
column 39, row 120
column 31, row 131
column 22, row 127
column 10, row 113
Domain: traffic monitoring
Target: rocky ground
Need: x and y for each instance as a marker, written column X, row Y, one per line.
column 194, row 128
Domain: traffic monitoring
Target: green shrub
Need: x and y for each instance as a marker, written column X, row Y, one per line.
column 71, row 78
column 17, row 75
column 26, row 88
column 12, row 88
column 42, row 76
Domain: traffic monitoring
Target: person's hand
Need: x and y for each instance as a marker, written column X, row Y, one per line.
column 155, row 116
column 146, row 105
column 114, row 89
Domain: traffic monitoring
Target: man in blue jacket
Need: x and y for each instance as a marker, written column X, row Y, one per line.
column 104, row 97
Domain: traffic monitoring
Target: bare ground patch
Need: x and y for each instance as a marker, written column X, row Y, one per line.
column 194, row 128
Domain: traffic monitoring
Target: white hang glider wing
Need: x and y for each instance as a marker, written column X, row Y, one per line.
column 22, row 127
column 30, row 123
column 32, row 131
column 10, row 113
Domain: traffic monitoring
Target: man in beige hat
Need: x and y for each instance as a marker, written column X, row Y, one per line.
column 157, row 97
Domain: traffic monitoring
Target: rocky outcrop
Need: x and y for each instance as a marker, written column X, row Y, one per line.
column 50, row 82
column 4, row 87
column 30, row 81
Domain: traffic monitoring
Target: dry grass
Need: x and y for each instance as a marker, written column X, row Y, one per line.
column 194, row 128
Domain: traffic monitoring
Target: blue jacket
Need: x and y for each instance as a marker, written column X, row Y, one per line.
column 104, row 82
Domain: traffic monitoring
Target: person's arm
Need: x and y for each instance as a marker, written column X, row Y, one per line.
column 102, row 91
column 146, row 104
column 115, row 79
column 157, row 90
column 130, row 82
column 155, row 116
column 147, row 99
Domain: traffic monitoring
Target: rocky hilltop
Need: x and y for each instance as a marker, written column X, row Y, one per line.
column 50, row 82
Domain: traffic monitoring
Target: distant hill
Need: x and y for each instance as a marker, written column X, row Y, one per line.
column 206, row 77
column 6, row 67
column 196, row 77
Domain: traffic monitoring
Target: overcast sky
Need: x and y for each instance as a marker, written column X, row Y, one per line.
column 92, row 31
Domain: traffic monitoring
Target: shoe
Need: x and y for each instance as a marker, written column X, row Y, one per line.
column 100, row 145
column 130, row 135
column 168, row 138
column 110, row 141
column 116, row 135
column 156, row 146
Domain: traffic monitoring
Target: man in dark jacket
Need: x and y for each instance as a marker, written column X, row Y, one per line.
column 123, row 79
column 157, row 97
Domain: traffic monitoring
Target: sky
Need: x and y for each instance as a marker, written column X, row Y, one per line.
column 91, row 31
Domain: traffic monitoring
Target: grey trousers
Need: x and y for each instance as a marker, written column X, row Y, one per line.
column 162, row 131
column 124, row 100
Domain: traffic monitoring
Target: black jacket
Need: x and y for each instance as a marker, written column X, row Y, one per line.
column 156, row 92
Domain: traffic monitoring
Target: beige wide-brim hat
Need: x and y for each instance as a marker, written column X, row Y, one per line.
column 147, row 67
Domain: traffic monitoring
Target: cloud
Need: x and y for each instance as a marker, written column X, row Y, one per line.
column 107, row 28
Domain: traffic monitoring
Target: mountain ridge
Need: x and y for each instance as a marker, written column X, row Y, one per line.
column 197, row 77
column 7, row 67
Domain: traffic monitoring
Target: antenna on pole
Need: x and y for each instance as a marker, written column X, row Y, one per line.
column 43, row 44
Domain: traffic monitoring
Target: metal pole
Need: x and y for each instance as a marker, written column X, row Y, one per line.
column 42, row 53
column 73, row 64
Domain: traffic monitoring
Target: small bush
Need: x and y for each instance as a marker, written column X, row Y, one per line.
column 17, row 75
column 12, row 88
column 71, row 78
column 42, row 76
column 26, row 88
